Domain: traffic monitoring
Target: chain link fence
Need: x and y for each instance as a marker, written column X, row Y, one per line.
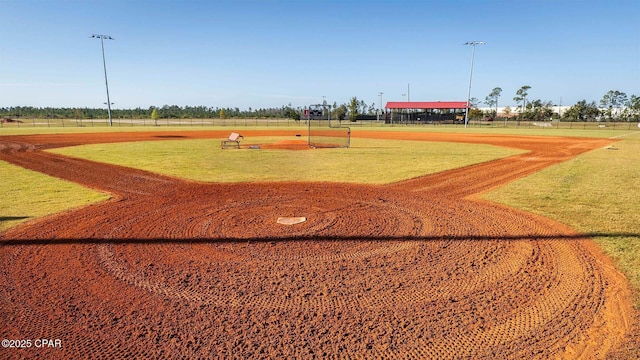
column 274, row 122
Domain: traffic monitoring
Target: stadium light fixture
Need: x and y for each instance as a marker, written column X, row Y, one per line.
column 104, row 64
column 473, row 49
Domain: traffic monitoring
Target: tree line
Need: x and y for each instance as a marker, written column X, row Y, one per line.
column 353, row 108
column 164, row 112
column 613, row 105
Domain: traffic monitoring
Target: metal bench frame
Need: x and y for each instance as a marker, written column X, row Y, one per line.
column 232, row 141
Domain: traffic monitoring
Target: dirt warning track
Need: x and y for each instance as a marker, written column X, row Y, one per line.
column 417, row 269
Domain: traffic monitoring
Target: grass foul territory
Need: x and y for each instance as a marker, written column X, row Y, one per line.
column 598, row 192
column 29, row 195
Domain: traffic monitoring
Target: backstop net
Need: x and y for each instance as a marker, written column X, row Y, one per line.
column 325, row 132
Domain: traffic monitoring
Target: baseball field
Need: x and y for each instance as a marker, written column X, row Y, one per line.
column 409, row 244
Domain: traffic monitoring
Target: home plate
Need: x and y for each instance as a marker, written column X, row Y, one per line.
column 291, row 220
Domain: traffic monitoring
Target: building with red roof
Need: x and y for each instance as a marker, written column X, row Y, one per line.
column 414, row 112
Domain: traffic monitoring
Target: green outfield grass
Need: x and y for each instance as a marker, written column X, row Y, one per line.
column 29, row 195
column 366, row 161
column 597, row 192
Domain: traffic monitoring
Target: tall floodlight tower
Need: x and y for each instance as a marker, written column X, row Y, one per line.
column 104, row 64
column 473, row 50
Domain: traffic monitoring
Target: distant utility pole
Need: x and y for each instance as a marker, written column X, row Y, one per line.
column 402, row 112
column 104, row 64
column 324, row 105
column 380, row 110
column 560, row 108
column 473, row 49
column 408, row 100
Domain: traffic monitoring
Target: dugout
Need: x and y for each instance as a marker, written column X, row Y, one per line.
column 425, row 112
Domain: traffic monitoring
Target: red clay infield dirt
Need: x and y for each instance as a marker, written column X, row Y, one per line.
column 417, row 269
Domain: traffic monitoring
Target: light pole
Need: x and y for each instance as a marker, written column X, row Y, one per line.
column 408, row 100
column 324, row 108
column 402, row 113
column 473, row 49
column 104, row 64
column 380, row 110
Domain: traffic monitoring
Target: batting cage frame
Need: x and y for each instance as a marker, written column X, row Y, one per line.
column 324, row 132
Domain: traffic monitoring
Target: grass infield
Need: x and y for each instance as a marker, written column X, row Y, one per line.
column 366, row 161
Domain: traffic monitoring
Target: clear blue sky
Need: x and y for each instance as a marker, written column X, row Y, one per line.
column 237, row 53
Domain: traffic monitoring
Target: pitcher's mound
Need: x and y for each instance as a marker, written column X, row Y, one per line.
column 288, row 145
column 291, row 220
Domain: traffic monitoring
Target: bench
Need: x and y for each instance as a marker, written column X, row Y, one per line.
column 232, row 141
